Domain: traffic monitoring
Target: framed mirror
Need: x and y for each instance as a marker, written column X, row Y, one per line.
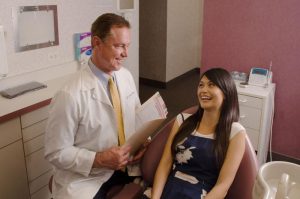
column 126, row 5
column 35, row 27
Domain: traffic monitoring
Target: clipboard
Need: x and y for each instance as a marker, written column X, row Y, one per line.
column 142, row 134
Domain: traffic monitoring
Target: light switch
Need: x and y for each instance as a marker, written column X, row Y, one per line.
column 3, row 56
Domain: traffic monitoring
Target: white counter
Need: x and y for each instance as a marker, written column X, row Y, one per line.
column 8, row 106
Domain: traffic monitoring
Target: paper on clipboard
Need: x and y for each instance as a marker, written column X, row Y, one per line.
column 153, row 108
column 149, row 117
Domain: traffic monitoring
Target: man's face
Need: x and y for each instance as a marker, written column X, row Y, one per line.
column 109, row 54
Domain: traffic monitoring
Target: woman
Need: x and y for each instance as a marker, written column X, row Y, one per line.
column 202, row 156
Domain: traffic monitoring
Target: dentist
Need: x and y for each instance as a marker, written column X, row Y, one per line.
column 82, row 141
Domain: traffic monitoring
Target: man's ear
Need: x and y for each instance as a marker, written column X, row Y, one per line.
column 96, row 41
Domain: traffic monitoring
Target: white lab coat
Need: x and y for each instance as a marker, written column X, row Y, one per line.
column 81, row 123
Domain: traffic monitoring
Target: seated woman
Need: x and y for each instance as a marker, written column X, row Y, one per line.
column 203, row 151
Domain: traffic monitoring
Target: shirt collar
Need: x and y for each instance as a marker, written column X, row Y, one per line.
column 102, row 76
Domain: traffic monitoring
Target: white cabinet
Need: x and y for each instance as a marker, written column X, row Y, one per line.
column 24, row 173
column 13, row 179
column 256, row 115
column 38, row 168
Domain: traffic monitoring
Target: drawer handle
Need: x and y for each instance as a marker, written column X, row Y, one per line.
column 243, row 100
column 243, row 116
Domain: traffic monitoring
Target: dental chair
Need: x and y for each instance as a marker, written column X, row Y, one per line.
column 241, row 187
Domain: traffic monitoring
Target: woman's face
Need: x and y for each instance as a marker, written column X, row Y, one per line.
column 210, row 95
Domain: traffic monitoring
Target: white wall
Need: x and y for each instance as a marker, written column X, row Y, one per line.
column 171, row 38
column 184, row 36
column 73, row 16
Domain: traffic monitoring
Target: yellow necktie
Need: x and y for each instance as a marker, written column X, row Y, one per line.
column 118, row 109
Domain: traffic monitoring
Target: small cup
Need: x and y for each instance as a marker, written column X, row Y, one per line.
column 235, row 75
column 243, row 77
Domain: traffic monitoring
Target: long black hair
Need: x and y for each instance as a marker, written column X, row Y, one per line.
column 229, row 114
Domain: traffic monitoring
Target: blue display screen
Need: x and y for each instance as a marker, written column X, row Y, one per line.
column 260, row 71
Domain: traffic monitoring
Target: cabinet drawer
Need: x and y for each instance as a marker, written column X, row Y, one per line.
column 250, row 117
column 13, row 179
column 34, row 130
column 40, row 182
column 37, row 164
column 254, row 137
column 10, row 131
column 34, row 144
column 245, row 100
column 34, row 116
column 43, row 193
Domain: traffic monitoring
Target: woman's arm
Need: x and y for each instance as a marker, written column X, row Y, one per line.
column 230, row 166
column 164, row 166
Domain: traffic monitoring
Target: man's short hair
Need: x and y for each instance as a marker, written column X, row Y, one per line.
column 103, row 24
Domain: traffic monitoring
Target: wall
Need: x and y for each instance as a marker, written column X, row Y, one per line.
column 241, row 34
column 170, row 38
column 184, row 36
column 153, row 33
column 73, row 17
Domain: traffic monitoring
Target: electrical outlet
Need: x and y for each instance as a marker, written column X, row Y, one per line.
column 53, row 56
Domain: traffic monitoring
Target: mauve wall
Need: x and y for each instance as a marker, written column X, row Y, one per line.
column 240, row 34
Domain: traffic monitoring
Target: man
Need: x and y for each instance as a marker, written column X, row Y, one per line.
column 83, row 132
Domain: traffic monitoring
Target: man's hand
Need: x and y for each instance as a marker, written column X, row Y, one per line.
column 136, row 158
column 115, row 158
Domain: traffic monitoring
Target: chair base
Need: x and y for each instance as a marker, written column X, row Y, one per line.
column 128, row 191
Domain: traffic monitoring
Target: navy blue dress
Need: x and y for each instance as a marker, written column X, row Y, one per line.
column 195, row 170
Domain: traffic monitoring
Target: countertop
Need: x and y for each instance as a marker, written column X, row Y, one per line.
column 11, row 108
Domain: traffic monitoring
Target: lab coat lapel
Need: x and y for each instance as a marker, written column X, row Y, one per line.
column 90, row 82
column 99, row 94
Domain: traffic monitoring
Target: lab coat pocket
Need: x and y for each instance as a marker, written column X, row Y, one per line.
column 130, row 95
column 97, row 124
column 92, row 118
column 130, row 103
column 128, row 107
